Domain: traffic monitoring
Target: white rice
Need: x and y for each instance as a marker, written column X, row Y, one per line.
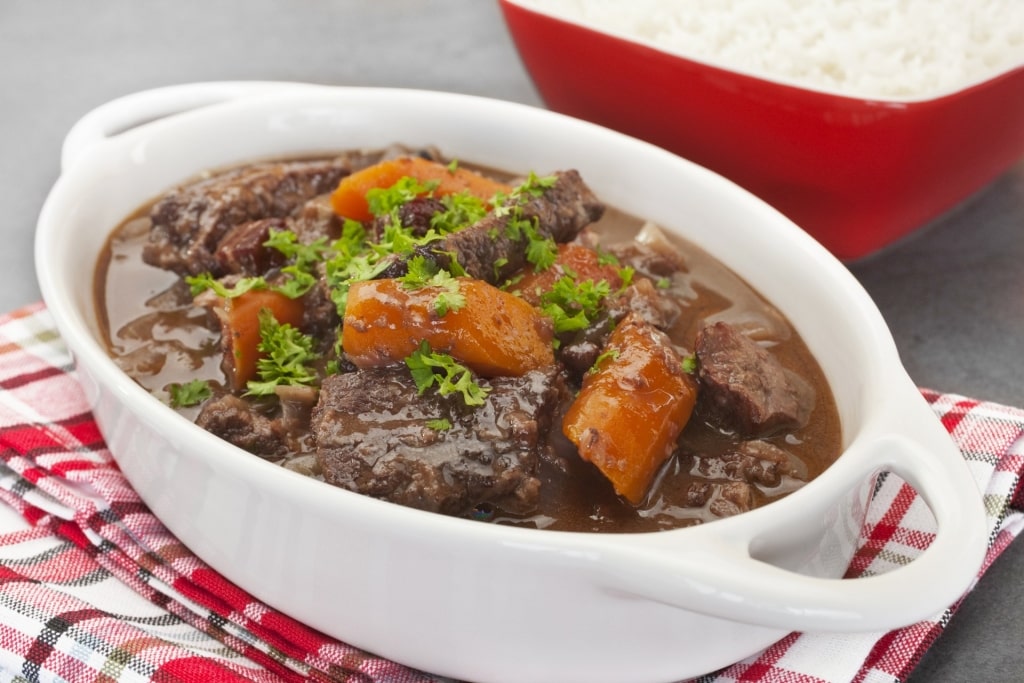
column 888, row 49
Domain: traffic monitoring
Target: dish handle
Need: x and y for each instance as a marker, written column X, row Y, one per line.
column 127, row 112
column 717, row 574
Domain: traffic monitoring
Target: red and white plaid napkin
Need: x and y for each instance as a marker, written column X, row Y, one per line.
column 94, row 588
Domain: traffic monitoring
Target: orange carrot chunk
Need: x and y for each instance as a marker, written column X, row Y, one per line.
column 632, row 408
column 349, row 199
column 494, row 333
column 241, row 330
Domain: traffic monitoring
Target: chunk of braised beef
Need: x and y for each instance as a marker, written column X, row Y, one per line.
column 698, row 493
column 376, row 436
column 241, row 423
column 242, row 249
column 189, row 223
column 315, row 220
column 754, row 462
column 731, row 499
column 722, row 499
column 579, row 355
column 489, row 251
column 648, row 260
column 320, row 318
column 643, row 299
column 744, row 388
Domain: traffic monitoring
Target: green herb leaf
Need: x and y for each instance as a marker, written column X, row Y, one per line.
column 450, row 299
column 419, row 272
column 535, row 185
column 382, row 201
column 190, row 393
column 299, row 282
column 610, row 354
column 606, row 258
column 626, row 274
column 205, row 281
column 541, row 252
column 574, row 305
column 430, row 368
column 423, row 273
column 287, row 353
column 303, row 255
column 440, row 424
column 460, row 210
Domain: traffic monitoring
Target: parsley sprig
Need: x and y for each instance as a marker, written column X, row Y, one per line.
column 189, row 394
column 287, row 354
column 574, row 305
column 205, row 281
column 432, row 368
column 423, row 273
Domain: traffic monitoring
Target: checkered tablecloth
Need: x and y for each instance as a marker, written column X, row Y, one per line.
column 94, row 588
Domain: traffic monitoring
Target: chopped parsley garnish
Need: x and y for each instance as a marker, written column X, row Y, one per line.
column 626, row 274
column 304, row 256
column 574, row 305
column 535, row 185
column 299, row 282
column 441, row 424
column 610, row 354
column 541, row 251
column 205, row 281
column 423, row 273
column 499, row 263
column 450, row 298
column 419, row 272
column 460, row 209
column 287, row 353
column 430, row 368
column 382, row 201
column 190, row 393
column 606, row 258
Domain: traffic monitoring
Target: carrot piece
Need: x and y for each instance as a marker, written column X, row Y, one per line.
column 349, row 199
column 629, row 413
column 241, row 330
column 494, row 334
column 580, row 262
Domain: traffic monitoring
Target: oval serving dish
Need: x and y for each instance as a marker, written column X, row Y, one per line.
column 483, row 602
column 857, row 173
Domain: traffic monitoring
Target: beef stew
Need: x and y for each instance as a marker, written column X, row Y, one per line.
column 192, row 287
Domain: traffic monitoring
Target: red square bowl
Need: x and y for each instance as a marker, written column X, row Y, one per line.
column 855, row 173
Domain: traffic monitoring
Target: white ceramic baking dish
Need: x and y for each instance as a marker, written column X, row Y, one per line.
column 468, row 599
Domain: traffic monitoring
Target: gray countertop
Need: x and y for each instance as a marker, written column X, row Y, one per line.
column 952, row 293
